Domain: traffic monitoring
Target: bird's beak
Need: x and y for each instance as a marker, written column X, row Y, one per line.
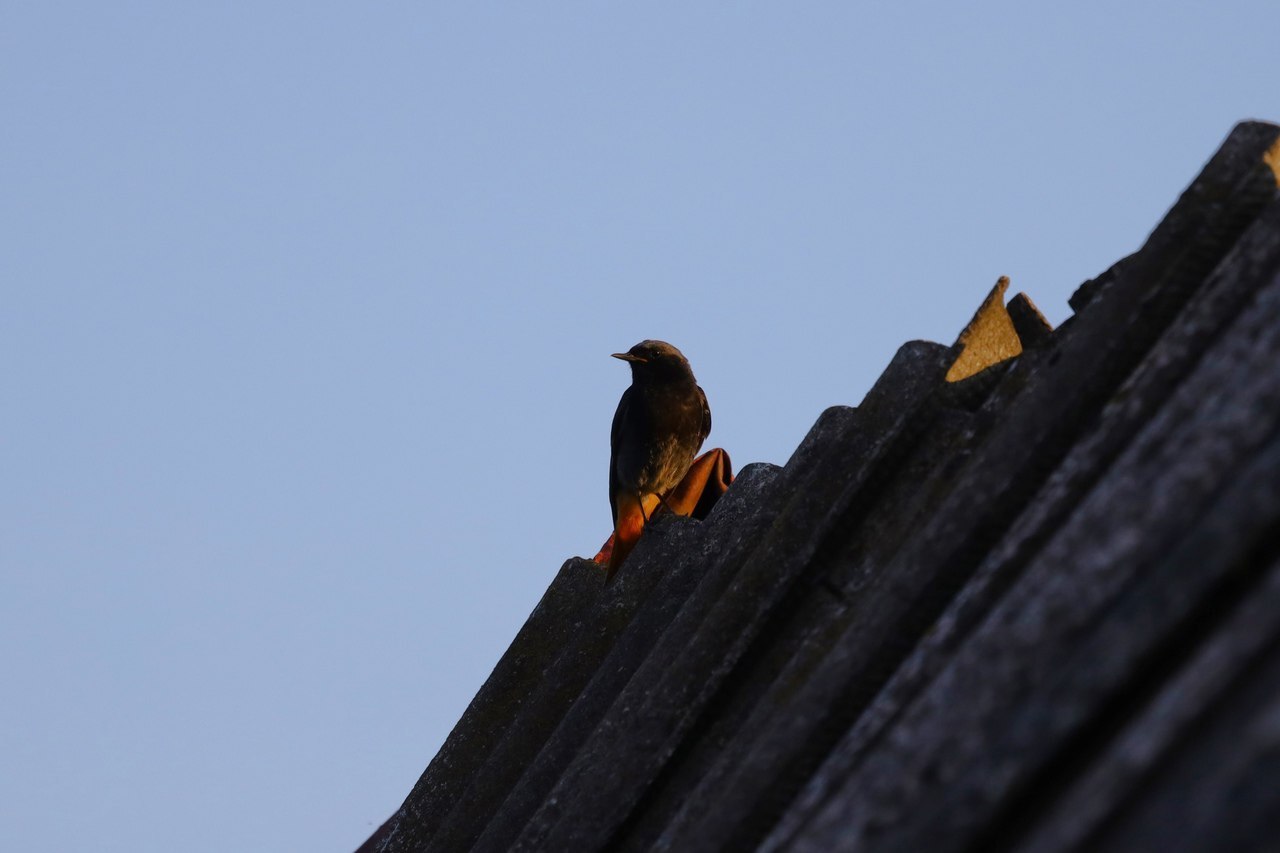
column 626, row 356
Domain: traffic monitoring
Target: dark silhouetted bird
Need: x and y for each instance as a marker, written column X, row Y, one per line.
column 662, row 420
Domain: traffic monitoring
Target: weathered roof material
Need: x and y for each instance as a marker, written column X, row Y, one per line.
column 1024, row 595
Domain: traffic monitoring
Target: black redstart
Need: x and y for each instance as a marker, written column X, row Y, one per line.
column 662, row 420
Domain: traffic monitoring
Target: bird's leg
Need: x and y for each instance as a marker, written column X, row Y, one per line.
column 662, row 500
column 640, row 500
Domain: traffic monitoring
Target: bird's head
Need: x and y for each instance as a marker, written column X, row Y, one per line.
column 654, row 359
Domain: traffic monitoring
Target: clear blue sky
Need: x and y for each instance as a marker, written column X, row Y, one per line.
column 308, row 308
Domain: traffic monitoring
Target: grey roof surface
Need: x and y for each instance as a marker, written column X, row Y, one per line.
column 1034, row 608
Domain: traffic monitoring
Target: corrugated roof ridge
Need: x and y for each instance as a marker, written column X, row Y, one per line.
column 1031, row 369
column 1020, row 694
column 654, row 655
column 784, row 830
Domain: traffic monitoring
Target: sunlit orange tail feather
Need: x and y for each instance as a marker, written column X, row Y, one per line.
column 708, row 478
column 627, row 527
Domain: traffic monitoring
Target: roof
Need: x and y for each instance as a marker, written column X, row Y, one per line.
column 1026, row 594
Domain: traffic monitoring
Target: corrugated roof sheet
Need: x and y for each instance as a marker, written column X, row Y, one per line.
column 1034, row 607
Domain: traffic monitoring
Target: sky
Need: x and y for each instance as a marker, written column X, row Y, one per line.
column 308, row 307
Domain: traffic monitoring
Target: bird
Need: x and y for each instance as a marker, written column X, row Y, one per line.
column 661, row 422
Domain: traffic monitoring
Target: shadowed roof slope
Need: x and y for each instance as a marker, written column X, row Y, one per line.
column 1025, row 595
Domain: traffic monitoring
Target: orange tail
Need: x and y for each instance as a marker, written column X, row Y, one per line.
column 707, row 479
column 627, row 528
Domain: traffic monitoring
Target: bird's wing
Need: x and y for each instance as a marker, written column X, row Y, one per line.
column 615, row 435
column 706, row 416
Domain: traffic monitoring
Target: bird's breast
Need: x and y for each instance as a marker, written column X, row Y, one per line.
column 660, row 438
